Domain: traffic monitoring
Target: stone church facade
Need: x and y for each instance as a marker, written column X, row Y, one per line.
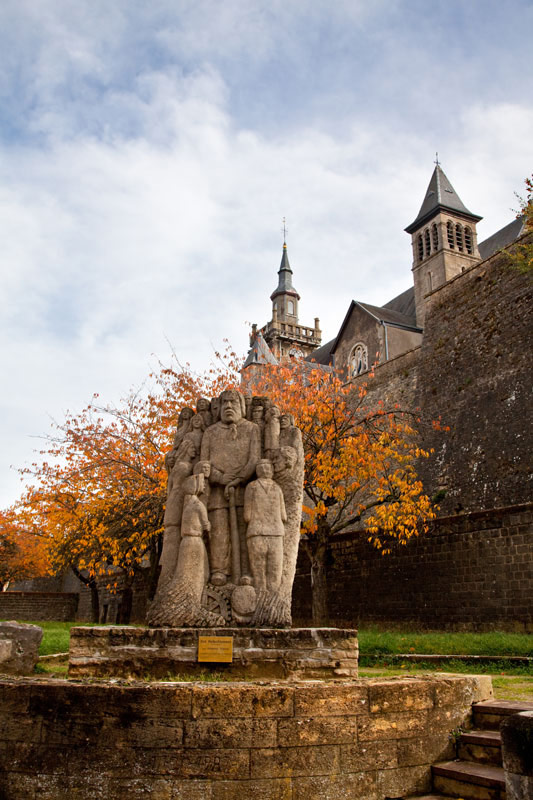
column 455, row 346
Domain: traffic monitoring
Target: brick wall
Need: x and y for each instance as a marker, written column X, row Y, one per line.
column 31, row 606
column 471, row 571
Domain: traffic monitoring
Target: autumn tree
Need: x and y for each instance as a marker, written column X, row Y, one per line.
column 98, row 495
column 360, row 465
column 521, row 255
column 22, row 553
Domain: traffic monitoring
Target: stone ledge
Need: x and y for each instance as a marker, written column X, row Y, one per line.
column 273, row 653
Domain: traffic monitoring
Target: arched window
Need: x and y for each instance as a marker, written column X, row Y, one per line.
column 435, row 237
column 290, row 307
column 427, row 242
column 468, row 241
column 430, row 282
column 459, row 237
column 420, row 245
column 358, row 360
column 449, row 233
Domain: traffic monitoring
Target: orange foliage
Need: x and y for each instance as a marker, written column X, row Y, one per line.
column 97, row 498
column 359, row 461
column 23, row 555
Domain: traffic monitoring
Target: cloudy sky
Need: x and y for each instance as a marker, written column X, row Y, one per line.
column 149, row 151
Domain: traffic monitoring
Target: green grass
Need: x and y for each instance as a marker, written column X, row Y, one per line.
column 374, row 642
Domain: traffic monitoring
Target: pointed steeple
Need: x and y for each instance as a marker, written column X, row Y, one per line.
column 440, row 196
column 285, row 277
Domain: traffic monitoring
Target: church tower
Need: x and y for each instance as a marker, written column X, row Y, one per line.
column 284, row 334
column 444, row 239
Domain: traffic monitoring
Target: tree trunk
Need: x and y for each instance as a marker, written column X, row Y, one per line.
column 156, row 546
column 316, row 551
column 126, row 602
column 95, row 600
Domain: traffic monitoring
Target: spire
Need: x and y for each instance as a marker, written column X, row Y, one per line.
column 440, row 196
column 285, row 277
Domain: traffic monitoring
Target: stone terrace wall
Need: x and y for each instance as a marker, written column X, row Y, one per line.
column 471, row 571
column 475, row 371
column 59, row 606
column 280, row 741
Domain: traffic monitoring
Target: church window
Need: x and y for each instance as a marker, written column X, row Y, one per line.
column 435, row 237
column 290, row 307
column 430, row 282
column 449, row 233
column 468, row 241
column 420, row 245
column 427, row 242
column 358, row 360
column 459, row 237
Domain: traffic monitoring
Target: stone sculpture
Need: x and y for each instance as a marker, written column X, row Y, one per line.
column 232, row 522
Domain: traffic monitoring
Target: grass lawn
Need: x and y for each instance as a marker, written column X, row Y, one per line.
column 373, row 643
column 509, row 682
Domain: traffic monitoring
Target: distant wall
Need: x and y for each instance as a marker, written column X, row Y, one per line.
column 471, row 571
column 58, row 606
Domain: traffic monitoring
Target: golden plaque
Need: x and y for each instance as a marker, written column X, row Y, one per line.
column 215, row 648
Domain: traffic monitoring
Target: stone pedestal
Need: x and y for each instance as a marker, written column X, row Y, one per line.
column 257, row 652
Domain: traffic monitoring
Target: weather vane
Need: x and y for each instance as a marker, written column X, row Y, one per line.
column 437, row 162
column 285, row 231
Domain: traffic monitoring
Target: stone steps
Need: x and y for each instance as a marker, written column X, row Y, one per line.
column 469, row 780
column 477, row 773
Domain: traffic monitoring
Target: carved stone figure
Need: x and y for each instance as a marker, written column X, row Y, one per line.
column 202, row 408
column 232, row 446
column 264, row 511
column 248, row 506
column 272, row 430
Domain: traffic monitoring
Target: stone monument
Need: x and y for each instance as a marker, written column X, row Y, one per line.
column 231, row 535
column 232, row 521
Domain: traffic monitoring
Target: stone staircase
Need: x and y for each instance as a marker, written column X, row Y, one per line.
column 477, row 773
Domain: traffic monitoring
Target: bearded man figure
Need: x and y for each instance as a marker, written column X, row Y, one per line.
column 233, row 448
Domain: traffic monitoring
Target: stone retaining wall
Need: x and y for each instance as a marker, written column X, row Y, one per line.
column 311, row 740
column 471, row 571
column 33, row 606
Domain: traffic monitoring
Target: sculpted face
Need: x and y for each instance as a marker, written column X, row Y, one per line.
column 257, row 413
column 230, row 407
column 203, row 467
column 197, row 421
column 284, row 421
column 202, row 404
column 273, row 412
column 264, row 469
column 185, row 414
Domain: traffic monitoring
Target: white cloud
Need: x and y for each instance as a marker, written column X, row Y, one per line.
column 145, row 209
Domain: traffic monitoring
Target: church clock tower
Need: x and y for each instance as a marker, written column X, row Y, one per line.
column 284, row 335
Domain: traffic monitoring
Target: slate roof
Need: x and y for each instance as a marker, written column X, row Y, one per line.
column 285, row 277
column 259, row 353
column 440, row 195
column 404, row 303
column 322, row 355
column 501, row 238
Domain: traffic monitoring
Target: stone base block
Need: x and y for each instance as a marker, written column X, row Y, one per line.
column 19, row 647
column 257, row 652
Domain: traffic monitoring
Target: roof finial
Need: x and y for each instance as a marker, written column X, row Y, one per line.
column 437, row 162
column 285, row 231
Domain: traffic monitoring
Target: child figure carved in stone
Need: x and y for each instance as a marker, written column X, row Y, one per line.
column 264, row 511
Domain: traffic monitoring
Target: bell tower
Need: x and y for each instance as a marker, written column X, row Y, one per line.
column 444, row 239
column 284, row 334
